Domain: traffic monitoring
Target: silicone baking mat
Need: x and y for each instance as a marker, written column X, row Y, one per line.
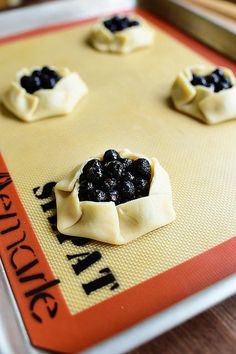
column 72, row 293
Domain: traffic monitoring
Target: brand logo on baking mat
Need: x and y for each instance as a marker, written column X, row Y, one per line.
column 23, row 260
column 80, row 261
column 5, row 179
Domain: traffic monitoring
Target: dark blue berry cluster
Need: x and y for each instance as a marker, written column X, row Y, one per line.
column 114, row 179
column 45, row 78
column 118, row 23
column 216, row 79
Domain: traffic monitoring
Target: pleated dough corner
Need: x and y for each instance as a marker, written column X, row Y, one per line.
column 202, row 102
column 124, row 41
column 107, row 222
column 45, row 103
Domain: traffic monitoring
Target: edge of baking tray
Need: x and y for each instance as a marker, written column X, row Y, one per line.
column 192, row 19
column 10, row 319
column 167, row 319
column 212, row 30
column 32, row 17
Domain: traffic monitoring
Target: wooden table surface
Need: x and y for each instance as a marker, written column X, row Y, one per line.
column 212, row 332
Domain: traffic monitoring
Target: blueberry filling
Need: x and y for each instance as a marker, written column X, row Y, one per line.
column 217, row 80
column 114, row 179
column 118, row 23
column 45, row 78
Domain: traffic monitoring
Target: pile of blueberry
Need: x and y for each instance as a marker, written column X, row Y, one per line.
column 114, row 179
column 45, row 78
column 216, row 79
column 118, row 23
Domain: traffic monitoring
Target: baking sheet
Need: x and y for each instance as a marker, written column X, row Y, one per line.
column 128, row 106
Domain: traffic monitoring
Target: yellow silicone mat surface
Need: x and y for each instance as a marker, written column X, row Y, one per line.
column 128, row 106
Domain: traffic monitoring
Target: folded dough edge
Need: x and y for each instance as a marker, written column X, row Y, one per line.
column 107, row 222
column 122, row 42
column 202, row 102
column 45, row 103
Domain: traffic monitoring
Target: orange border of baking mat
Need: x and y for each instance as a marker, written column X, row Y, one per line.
column 42, row 300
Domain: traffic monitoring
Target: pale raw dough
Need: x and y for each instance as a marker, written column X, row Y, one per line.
column 107, row 222
column 202, row 102
column 45, row 103
column 124, row 41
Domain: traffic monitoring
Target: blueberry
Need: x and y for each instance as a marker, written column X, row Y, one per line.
column 142, row 168
column 117, row 23
column 30, row 83
column 115, row 18
column 36, row 73
column 95, row 174
column 54, row 74
column 114, row 28
column 111, row 155
column 142, row 187
column 127, row 190
column 209, row 81
column 114, row 169
column 195, row 80
column 92, row 171
column 25, row 80
column 199, row 80
column 83, row 195
column 82, row 177
column 216, row 79
column 36, row 81
column 218, row 87
column 222, row 86
column 213, row 79
column 86, row 186
column 46, row 70
column 119, row 180
column 98, row 195
column 119, row 27
column 128, row 176
column 122, row 23
column 203, row 81
column 110, row 25
column 48, row 82
column 92, row 163
column 226, row 80
column 45, row 78
column 109, row 184
column 107, row 23
column 127, row 164
column 133, row 23
column 219, row 72
column 114, row 196
column 125, row 22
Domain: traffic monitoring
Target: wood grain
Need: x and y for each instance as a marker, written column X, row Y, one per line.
column 212, row 332
column 4, row 4
column 222, row 7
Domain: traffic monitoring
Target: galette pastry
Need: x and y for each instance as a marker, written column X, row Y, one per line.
column 114, row 198
column 121, row 34
column 208, row 94
column 44, row 92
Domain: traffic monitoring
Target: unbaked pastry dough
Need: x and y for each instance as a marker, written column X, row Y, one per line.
column 45, row 103
column 124, row 41
column 202, row 102
column 107, row 222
